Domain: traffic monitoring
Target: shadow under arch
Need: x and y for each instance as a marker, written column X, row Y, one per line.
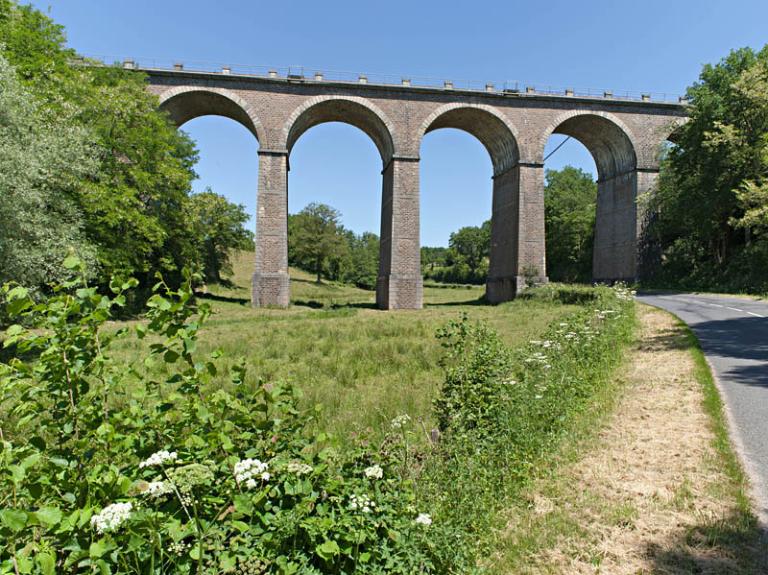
column 351, row 110
column 183, row 104
column 615, row 255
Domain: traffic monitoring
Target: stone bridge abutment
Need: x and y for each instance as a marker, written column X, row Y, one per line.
column 624, row 138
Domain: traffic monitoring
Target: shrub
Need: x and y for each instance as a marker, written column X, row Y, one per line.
column 105, row 469
column 504, row 412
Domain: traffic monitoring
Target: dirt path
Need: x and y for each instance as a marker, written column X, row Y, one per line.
column 654, row 494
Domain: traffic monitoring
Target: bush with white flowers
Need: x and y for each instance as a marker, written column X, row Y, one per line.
column 108, row 470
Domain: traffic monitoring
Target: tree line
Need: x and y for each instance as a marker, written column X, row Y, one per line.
column 708, row 218
column 90, row 167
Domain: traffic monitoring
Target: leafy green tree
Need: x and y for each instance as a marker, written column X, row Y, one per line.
column 219, row 228
column 314, row 237
column 569, row 207
column 133, row 202
column 432, row 257
column 44, row 157
column 472, row 244
column 708, row 214
column 362, row 262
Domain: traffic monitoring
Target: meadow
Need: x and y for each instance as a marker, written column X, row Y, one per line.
column 362, row 366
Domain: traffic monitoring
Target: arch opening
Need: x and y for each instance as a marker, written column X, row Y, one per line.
column 608, row 142
column 227, row 167
column 355, row 112
column 456, row 198
column 485, row 250
column 592, row 229
column 490, row 128
column 336, row 165
column 185, row 104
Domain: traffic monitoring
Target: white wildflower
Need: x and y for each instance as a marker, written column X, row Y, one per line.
column 157, row 488
column 374, row 472
column 159, row 458
column 247, row 470
column 361, row 503
column 111, row 517
column 400, row 421
column 299, row 468
column 424, row 519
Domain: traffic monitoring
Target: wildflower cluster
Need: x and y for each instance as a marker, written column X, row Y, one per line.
column 424, row 519
column 159, row 458
column 400, row 421
column 361, row 503
column 111, row 517
column 374, row 472
column 157, row 488
column 298, row 468
column 248, row 470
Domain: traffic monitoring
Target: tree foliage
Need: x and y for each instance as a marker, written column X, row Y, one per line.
column 130, row 184
column 708, row 217
column 314, row 237
column 44, row 158
column 219, row 228
column 569, row 204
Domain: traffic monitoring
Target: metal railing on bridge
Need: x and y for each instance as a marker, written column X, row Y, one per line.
column 309, row 75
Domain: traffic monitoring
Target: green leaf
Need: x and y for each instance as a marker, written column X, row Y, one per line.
column 47, row 563
column 328, row 550
column 71, row 262
column 170, row 356
column 48, row 516
column 14, row 519
column 99, row 548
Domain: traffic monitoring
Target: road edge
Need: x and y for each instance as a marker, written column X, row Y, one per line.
column 755, row 483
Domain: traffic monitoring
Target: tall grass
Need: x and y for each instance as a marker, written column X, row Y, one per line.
column 362, row 366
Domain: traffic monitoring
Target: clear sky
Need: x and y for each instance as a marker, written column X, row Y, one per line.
column 649, row 46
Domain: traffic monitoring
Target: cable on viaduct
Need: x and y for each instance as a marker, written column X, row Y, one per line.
column 624, row 136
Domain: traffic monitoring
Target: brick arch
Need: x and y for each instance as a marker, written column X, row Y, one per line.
column 185, row 103
column 611, row 143
column 485, row 123
column 352, row 110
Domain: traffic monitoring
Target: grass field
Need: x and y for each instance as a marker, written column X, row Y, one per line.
column 362, row 365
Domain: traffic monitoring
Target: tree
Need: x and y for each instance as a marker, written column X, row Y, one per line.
column 362, row 265
column 133, row 202
column 569, row 208
column 219, row 228
column 472, row 244
column 314, row 235
column 707, row 216
column 432, row 257
column 44, row 158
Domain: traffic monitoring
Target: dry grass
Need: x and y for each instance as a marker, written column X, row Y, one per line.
column 653, row 495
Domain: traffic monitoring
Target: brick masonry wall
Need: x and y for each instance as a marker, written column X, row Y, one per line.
column 624, row 138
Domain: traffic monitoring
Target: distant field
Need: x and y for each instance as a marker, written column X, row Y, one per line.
column 363, row 365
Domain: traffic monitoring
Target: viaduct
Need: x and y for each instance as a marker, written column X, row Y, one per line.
column 624, row 136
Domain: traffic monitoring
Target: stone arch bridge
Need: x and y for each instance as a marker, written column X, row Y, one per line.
column 624, row 137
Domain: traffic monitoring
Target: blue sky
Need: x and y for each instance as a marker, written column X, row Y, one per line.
column 650, row 46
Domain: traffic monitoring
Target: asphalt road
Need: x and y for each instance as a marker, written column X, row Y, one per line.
column 734, row 336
